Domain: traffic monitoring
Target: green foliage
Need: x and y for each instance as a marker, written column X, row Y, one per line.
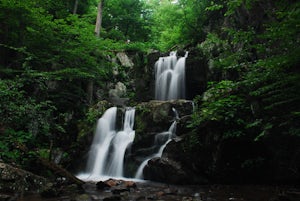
column 126, row 19
column 214, row 6
column 25, row 123
column 231, row 6
column 10, row 143
column 177, row 23
column 221, row 104
column 263, row 100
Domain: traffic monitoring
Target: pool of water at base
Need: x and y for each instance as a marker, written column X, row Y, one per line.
column 164, row 192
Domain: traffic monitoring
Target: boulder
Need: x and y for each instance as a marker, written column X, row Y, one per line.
column 176, row 151
column 117, row 187
column 157, row 116
column 159, row 112
column 15, row 181
column 165, row 170
column 124, row 59
column 118, row 91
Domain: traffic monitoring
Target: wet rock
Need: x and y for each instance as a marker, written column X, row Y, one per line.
column 281, row 198
column 82, row 197
column 102, row 185
column 112, row 198
column 50, row 193
column 130, row 184
column 156, row 116
column 164, row 170
column 117, row 187
column 119, row 190
column 4, row 197
column 187, row 199
column 160, row 193
column 112, row 182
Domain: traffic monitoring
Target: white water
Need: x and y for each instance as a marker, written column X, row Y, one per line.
column 106, row 156
column 161, row 138
column 170, row 77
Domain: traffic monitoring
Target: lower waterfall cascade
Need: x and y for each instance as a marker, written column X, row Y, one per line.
column 106, row 155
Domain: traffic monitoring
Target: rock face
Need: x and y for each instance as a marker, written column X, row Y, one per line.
column 197, row 73
column 155, row 117
column 144, row 77
column 124, row 59
column 15, row 181
column 165, row 170
column 176, row 166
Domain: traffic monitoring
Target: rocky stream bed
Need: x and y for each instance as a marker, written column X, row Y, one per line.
column 20, row 185
column 120, row 190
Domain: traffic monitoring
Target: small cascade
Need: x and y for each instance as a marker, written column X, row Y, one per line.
column 120, row 143
column 106, row 156
column 105, row 132
column 161, row 140
column 170, row 77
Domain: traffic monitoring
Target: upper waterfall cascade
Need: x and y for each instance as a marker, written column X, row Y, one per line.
column 170, row 77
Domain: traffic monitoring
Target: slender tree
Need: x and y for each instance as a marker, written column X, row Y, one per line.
column 75, row 7
column 99, row 18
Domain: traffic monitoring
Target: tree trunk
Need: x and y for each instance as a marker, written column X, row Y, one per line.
column 75, row 7
column 90, row 89
column 99, row 18
column 57, row 170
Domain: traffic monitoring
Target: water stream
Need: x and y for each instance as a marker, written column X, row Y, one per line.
column 161, row 139
column 170, row 77
column 106, row 155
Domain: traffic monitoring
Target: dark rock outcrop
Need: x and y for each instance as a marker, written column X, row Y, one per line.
column 157, row 116
column 197, row 73
column 15, row 182
column 143, row 76
column 165, row 170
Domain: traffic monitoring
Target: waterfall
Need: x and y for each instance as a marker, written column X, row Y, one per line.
column 105, row 132
column 161, row 140
column 106, row 156
column 107, row 152
column 120, row 143
column 170, row 77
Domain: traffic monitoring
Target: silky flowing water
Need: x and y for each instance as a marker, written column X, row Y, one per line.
column 170, row 77
column 106, row 155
